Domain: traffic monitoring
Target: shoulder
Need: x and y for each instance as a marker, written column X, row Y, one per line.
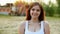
column 22, row 24
column 21, row 27
column 46, row 23
column 46, row 27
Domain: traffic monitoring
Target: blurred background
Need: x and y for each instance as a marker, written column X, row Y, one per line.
column 13, row 12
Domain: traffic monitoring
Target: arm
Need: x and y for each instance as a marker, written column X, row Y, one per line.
column 21, row 28
column 46, row 28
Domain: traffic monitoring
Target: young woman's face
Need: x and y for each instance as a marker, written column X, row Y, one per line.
column 35, row 11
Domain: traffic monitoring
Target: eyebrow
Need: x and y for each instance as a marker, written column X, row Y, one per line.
column 34, row 8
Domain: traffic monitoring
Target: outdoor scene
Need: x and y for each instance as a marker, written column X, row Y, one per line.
column 13, row 12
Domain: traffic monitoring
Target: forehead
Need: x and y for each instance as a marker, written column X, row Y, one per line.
column 36, row 7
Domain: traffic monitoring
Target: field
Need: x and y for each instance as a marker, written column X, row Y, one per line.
column 9, row 24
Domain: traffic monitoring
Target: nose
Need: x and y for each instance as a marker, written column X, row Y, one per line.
column 35, row 11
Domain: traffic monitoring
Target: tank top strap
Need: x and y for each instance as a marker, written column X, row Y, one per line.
column 42, row 25
column 26, row 26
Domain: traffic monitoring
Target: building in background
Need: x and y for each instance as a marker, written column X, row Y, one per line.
column 6, row 9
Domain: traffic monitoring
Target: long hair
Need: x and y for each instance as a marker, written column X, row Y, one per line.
column 41, row 16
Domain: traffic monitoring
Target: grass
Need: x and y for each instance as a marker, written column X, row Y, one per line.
column 9, row 24
column 54, row 23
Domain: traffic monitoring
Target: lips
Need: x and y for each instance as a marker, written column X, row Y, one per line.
column 34, row 14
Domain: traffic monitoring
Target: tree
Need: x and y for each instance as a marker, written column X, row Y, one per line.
column 58, row 9
column 49, row 9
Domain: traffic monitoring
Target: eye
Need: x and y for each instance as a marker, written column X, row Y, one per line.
column 33, row 9
column 38, row 10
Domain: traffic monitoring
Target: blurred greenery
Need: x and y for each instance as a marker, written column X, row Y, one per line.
column 58, row 9
column 51, row 9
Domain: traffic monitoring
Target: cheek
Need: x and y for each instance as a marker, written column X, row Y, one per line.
column 39, row 13
column 31, row 12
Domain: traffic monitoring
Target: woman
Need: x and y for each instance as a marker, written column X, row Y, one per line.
column 35, row 22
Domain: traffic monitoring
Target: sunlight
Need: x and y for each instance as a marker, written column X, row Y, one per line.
column 47, row 1
column 29, row 1
column 3, row 2
column 53, row 1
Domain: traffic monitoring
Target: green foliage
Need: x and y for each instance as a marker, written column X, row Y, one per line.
column 58, row 11
column 49, row 9
column 58, row 8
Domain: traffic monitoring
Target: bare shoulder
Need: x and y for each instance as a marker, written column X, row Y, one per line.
column 46, row 23
column 21, row 27
column 22, row 24
column 46, row 27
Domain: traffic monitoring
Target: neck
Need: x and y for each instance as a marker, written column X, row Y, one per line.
column 34, row 20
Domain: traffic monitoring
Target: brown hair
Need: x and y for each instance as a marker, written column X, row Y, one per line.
column 41, row 16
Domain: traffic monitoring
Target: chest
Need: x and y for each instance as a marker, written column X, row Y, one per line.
column 34, row 27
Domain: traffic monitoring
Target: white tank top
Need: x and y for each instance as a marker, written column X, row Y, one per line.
column 41, row 31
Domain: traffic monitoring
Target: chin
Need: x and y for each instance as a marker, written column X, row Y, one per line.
column 34, row 17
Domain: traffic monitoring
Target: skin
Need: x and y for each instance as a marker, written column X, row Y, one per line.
column 34, row 24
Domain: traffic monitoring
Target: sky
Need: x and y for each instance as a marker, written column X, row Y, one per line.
column 46, row 1
column 3, row 2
